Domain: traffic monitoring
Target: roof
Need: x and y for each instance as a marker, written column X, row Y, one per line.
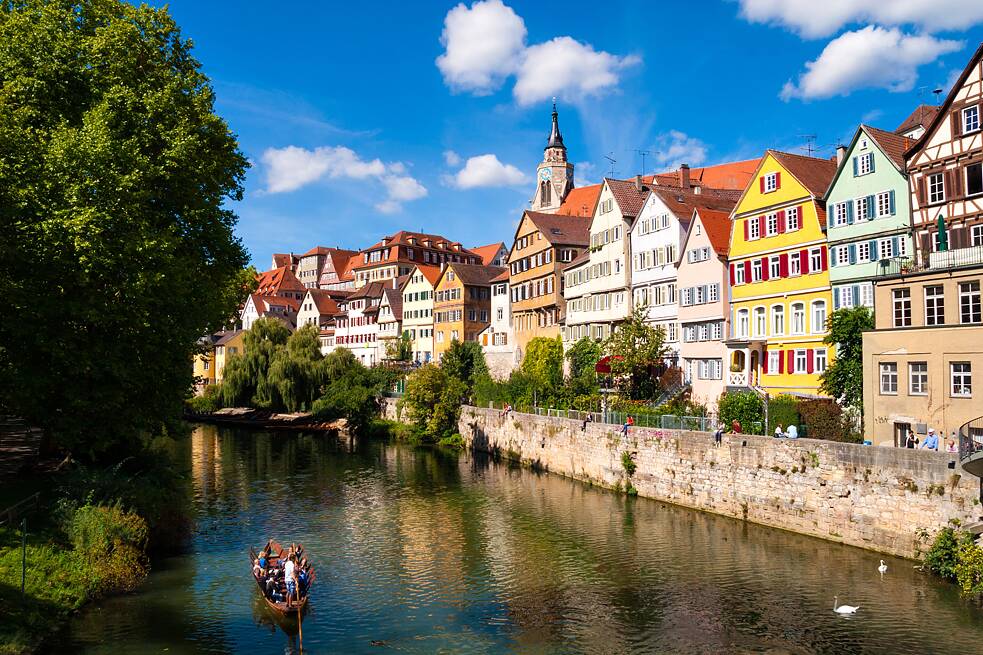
column 922, row 116
column 628, row 196
column 893, row 145
column 228, row 336
column 953, row 92
column 813, row 173
column 730, row 175
column 487, row 253
column 559, row 229
column 501, row 277
column 682, row 202
column 323, row 300
column 432, row 273
column 395, row 300
column 578, row 260
column 281, row 259
column 316, row 250
column 263, row 303
column 581, row 201
column 473, row 275
column 268, row 283
column 717, row 226
column 370, row 290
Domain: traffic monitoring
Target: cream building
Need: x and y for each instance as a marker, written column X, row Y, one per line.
column 498, row 339
column 418, row 292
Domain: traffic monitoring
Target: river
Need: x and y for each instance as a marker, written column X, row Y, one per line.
column 421, row 551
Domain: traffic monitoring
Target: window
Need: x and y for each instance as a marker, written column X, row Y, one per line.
column 756, row 270
column 818, row 316
column 971, row 119
column 716, row 331
column 934, row 305
column 713, row 293
column 795, row 264
column 846, row 297
column 885, row 249
column 773, row 356
column 865, row 163
column 918, row 378
column 770, row 182
column 902, row 307
column 754, row 228
column 974, row 179
column 863, row 251
column 774, row 268
column 969, row 303
column 739, row 273
column 937, row 240
column 862, row 206
column 801, row 361
column 961, row 374
column 791, row 219
column 743, row 322
column 820, row 360
column 977, row 235
column 798, row 318
column 771, row 224
column 889, row 378
column 777, row 320
column 760, row 325
column 816, row 260
column 841, row 214
column 884, row 204
column 842, row 255
column 936, row 188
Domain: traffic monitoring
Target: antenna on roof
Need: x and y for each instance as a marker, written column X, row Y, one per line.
column 643, row 153
column 612, row 161
column 810, row 145
column 938, row 93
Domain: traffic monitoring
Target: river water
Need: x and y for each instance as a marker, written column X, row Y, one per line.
column 420, row 551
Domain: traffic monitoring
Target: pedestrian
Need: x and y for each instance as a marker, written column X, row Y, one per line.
column 718, row 435
column 950, row 446
column 735, row 427
column 911, row 440
column 778, row 431
column 792, row 432
column 624, row 428
column 589, row 419
column 290, row 578
column 931, row 441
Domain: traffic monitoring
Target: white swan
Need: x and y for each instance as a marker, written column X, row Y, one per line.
column 882, row 568
column 844, row 609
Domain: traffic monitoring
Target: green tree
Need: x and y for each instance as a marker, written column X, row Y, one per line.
column 635, row 349
column 542, row 368
column 297, row 373
column 245, row 377
column 118, row 250
column 843, row 379
column 745, row 407
column 401, row 349
column 465, row 361
column 583, row 357
column 350, row 390
column 433, row 401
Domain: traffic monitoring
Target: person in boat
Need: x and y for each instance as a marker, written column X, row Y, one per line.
column 290, row 577
column 257, row 569
column 302, row 581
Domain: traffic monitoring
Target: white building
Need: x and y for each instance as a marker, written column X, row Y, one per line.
column 357, row 323
column 418, row 292
column 256, row 306
column 390, row 316
column 498, row 339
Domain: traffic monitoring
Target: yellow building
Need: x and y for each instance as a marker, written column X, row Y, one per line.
column 462, row 304
column 230, row 343
column 204, row 366
column 779, row 276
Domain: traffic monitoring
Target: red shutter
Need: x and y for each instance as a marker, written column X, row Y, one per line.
column 804, row 262
column 761, row 183
column 790, row 367
column 783, row 264
column 957, row 123
column 761, row 227
column 764, row 268
column 920, row 191
column 778, row 180
column 809, row 359
column 824, row 254
column 747, row 271
column 781, row 222
column 732, row 274
column 781, row 361
column 747, row 230
column 764, row 363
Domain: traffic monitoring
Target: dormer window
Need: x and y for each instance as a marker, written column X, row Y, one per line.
column 412, row 241
column 863, row 164
column 770, row 182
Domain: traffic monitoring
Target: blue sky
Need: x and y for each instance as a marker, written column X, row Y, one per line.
column 364, row 119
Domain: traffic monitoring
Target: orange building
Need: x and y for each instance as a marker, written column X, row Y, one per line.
column 462, row 304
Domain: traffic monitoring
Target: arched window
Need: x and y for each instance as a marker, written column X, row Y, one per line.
column 760, row 322
column 743, row 322
column 545, row 196
column 798, row 318
column 777, row 319
column 818, row 316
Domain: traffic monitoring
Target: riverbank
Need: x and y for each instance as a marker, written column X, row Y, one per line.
column 883, row 499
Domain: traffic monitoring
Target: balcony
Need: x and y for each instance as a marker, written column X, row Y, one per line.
column 937, row 261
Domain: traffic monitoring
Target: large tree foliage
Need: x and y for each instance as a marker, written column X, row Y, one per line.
column 843, row 379
column 583, row 357
column 117, row 252
column 543, row 370
column 465, row 361
column 433, row 401
column 246, row 375
column 636, row 350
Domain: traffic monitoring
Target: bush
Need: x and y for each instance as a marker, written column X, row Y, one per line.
column 628, row 464
column 455, row 441
column 969, row 568
column 942, row 558
column 745, row 407
column 433, row 401
column 112, row 543
column 201, row 404
column 824, row 419
column 782, row 410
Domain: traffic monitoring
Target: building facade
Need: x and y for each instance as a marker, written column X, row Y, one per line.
column 357, row 323
column 390, row 319
column 462, row 304
column 779, row 276
column 279, row 307
column 317, row 308
column 868, row 214
column 418, row 296
column 498, row 339
column 394, row 256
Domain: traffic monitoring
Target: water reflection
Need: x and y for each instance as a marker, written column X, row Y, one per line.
column 419, row 551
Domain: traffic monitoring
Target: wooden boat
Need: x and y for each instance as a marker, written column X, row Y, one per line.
column 278, row 552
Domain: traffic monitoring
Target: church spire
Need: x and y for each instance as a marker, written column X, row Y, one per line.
column 556, row 139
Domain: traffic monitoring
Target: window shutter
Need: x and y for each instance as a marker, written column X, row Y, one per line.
column 891, row 196
column 849, row 212
column 733, row 275
column 956, row 239
column 957, row 123
column 761, row 227
column 871, row 207
column 871, row 170
column 894, row 246
column 761, row 183
column 778, row 180
column 783, row 264
column 853, row 254
column 810, row 354
column 836, row 298
column 873, row 250
column 764, row 363
column 764, row 269
column 856, row 295
column 957, row 183
column 824, row 257
column 920, row 190
column 781, row 222
column 790, row 366
column 747, row 232
column 836, row 259
column 804, row 262
column 856, row 168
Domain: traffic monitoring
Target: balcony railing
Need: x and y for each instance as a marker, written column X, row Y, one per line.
column 937, row 261
column 971, row 438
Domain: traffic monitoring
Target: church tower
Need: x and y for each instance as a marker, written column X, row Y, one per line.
column 554, row 176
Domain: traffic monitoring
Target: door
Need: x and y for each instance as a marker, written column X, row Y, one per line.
column 901, row 432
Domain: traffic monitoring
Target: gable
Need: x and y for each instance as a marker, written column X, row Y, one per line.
column 757, row 195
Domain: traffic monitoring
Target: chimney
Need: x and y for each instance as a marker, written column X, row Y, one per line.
column 638, row 183
column 684, row 176
column 840, row 154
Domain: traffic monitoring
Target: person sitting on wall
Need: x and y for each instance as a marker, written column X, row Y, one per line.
column 589, row 419
column 792, row 432
column 950, row 446
column 931, row 441
column 735, row 427
column 778, row 431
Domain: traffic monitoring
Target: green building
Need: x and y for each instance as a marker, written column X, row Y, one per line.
column 868, row 214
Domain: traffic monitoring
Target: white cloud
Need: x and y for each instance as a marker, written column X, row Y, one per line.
column 451, row 158
column 482, row 46
column 674, row 148
column 486, row 171
column 290, row 168
column 567, row 68
column 813, row 19
column 873, row 57
column 486, row 43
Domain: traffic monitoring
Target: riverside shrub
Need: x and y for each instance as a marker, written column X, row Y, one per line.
column 112, row 543
column 745, row 407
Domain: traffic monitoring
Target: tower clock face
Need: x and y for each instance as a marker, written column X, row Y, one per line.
column 545, row 175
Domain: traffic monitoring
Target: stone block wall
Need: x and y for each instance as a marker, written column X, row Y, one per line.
column 885, row 499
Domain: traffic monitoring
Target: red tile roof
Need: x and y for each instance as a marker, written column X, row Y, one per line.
column 893, row 145
column 502, row 277
column 682, row 202
column 560, row 229
column 487, row 253
column 323, row 301
column 628, row 196
column 269, row 283
column 717, row 225
column 922, row 116
column 580, row 201
column 472, row 275
column 395, row 298
column 813, row 173
column 432, row 273
column 730, row 175
column 281, row 259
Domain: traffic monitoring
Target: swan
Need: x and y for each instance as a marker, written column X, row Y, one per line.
column 844, row 609
column 882, row 568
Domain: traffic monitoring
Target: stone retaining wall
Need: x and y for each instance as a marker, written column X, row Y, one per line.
column 891, row 500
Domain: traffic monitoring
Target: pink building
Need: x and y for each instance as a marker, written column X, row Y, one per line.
column 704, row 292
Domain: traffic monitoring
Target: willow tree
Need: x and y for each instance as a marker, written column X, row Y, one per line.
column 297, row 373
column 118, row 250
column 245, row 379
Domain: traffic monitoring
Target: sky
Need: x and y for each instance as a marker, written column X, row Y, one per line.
column 361, row 120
